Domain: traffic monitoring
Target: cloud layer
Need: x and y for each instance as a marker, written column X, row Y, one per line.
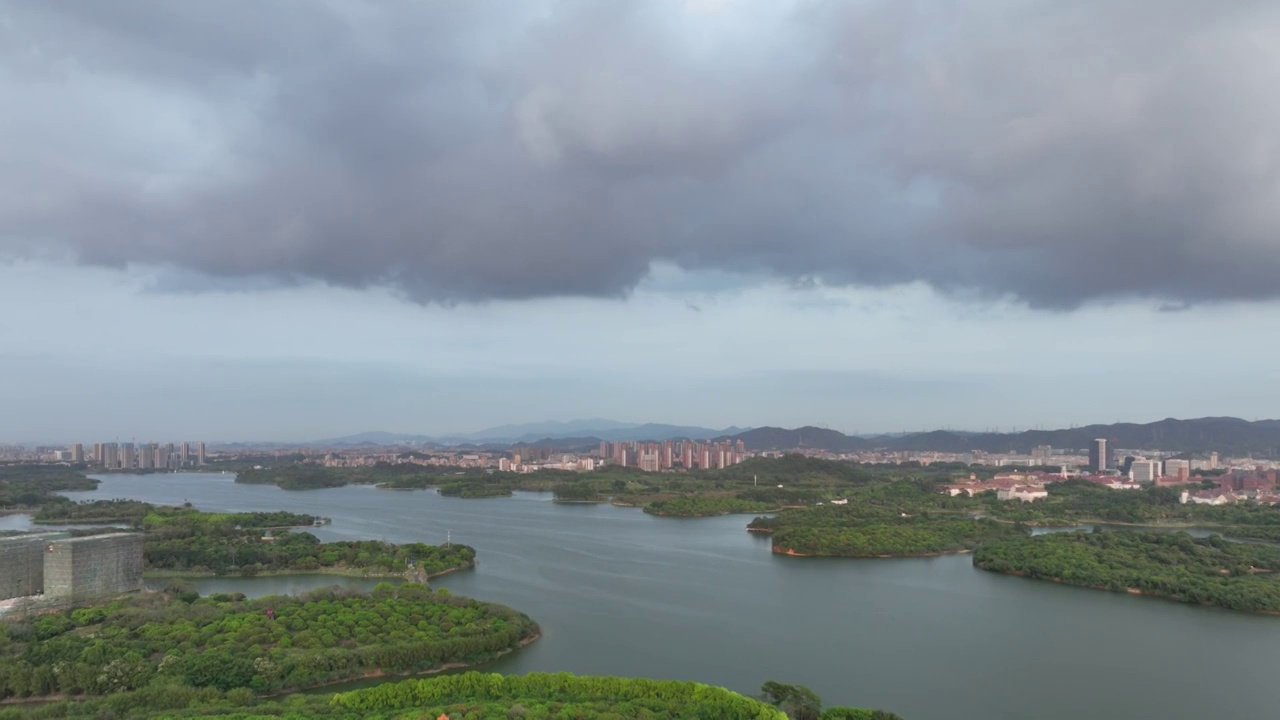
column 1056, row 152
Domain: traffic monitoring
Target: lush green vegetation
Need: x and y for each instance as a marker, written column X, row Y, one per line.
column 471, row 695
column 183, row 540
column 145, row 515
column 191, row 553
column 558, row 695
column 267, row 645
column 1207, row 571
column 852, row 536
column 314, row 477
column 751, row 486
column 28, row 486
column 894, row 519
column 801, row 703
column 465, row 489
column 707, row 505
column 1078, row 501
column 190, row 542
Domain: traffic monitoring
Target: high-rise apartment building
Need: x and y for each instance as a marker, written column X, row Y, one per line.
column 185, row 455
column 126, row 456
column 1099, row 456
column 649, row 461
column 200, row 453
column 77, row 453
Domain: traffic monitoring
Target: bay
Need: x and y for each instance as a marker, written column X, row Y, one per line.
column 621, row 592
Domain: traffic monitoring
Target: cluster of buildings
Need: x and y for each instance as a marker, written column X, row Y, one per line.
column 672, row 454
column 128, row 456
column 1257, row 485
column 61, row 568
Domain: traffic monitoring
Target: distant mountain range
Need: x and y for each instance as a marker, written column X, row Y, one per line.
column 1201, row 435
column 1223, row 434
column 591, row 430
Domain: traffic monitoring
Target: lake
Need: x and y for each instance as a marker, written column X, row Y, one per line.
column 619, row 592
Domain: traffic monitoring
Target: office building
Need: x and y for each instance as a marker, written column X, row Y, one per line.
column 1144, row 471
column 1099, row 456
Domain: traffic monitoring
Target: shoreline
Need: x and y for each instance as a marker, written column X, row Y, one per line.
column 1127, row 591
column 335, row 572
column 896, row 556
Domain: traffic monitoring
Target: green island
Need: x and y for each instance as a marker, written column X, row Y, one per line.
column 1204, row 571
column 898, row 519
column 472, row 695
column 464, row 489
column 187, row 542
column 268, row 645
column 299, row 476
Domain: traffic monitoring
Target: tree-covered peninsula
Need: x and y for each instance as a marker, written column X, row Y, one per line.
column 1205, row 571
column 834, row 534
column 901, row 519
column 186, row 541
column 268, row 645
column 24, row 486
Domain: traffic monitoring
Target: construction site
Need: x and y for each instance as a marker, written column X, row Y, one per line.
column 56, row 567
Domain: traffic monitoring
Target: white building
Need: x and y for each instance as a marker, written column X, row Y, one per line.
column 1025, row 493
column 1144, row 470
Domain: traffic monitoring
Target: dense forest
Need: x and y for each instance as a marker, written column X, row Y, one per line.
column 186, row 541
column 140, row 514
column 848, row 531
column 267, row 645
column 883, row 519
column 314, row 477
column 474, row 489
column 29, row 486
column 1206, row 571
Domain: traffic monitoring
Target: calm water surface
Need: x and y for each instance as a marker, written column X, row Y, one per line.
column 620, row 592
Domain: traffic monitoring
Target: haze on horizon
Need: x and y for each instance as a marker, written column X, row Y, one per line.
column 261, row 219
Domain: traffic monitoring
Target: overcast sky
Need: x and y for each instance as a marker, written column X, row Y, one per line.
column 289, row 219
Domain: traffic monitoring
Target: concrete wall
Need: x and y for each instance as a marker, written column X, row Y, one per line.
column 96, row 566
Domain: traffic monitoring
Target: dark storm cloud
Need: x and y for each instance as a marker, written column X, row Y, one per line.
column 469, row 150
